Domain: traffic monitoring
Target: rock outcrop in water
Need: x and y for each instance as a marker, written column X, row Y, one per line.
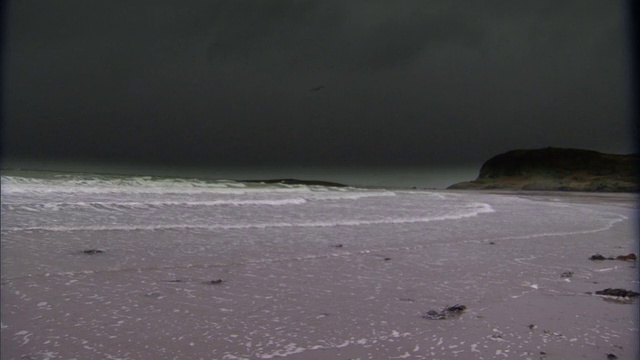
column 557, row 169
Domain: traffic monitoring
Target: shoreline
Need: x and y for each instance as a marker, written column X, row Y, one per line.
column 631, row 200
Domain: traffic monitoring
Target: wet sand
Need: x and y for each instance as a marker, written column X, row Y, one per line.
column 336, row 302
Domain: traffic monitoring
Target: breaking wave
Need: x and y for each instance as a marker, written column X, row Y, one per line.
column 53, row 206
column 473, row 209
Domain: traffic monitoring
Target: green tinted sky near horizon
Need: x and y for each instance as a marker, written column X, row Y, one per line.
column 232, row 82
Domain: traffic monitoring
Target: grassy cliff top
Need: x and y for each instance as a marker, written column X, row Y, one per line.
column 557, row 169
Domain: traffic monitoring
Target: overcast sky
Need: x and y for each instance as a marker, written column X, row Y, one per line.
column 277, row 82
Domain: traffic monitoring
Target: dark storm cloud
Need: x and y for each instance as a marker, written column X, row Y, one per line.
column 230, row 81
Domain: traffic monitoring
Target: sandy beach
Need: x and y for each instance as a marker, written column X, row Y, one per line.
column 320, row 294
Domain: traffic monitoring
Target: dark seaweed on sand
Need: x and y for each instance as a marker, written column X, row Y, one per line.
column 93, row 251
column 446, row 313
column 567, row 274
column 618, row 292
column 628, row 257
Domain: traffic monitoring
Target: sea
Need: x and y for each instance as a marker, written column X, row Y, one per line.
column 243, row 270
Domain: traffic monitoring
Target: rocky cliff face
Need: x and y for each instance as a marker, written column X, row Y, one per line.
column 558, row 169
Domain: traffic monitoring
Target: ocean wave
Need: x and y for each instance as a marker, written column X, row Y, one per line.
column 472, row 210
column 53, row 206
column 46, row 187
column 83, row 185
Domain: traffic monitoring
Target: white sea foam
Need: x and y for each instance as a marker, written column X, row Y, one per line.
column 150, row 204
column 350, row 196
column 609, row 220
column 71, row 183
column 471, row 210
column 155, row 186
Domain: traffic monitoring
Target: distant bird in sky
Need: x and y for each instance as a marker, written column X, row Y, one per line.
column 317, row 88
